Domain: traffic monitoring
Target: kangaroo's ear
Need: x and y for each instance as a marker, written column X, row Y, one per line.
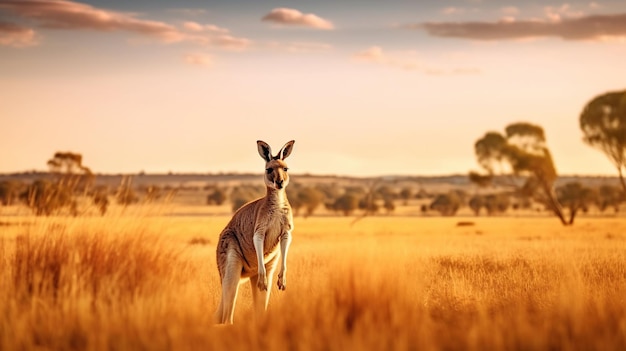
column 264, row 150
column 286, row 150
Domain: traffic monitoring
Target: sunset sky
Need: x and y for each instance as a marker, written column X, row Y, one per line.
column 364, row 87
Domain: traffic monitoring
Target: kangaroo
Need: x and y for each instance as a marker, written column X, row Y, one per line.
column 248, row 247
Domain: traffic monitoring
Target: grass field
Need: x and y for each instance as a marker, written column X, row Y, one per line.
column 140, row 282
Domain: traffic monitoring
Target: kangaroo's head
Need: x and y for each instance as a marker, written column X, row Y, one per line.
column 276, row 176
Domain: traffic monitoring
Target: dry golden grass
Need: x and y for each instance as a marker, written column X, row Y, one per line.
column 129, row 282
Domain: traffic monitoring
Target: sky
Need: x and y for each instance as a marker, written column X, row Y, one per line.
column 366, row 88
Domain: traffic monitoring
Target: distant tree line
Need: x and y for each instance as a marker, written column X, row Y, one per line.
column 574, row 197
column 350, row 200
column 305, row 200
column 70, row 187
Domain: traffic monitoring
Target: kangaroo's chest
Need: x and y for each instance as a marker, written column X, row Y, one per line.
column 279, row 222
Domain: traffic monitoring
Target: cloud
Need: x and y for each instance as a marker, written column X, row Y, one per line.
column 556, row 14
column 15, row 35
column 408, row 62
column 209, row 34
column 594, row 5
column 61, row 14
column 70, row 15
column 199, row 59
column 562, row 24
column 507, row 19
column 229, row 42
column 373, row 53
column 197, row 27
column 285, row 16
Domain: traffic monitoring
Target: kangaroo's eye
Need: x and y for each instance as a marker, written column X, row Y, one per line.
column 269, row 170
column 285, row 169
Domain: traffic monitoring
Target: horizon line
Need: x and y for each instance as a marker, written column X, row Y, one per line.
column 304, row 174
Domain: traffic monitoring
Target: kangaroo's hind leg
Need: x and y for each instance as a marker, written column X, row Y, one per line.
column 230, row 284
column 257, row 295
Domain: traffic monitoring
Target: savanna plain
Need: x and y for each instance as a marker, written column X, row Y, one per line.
column 144, row 281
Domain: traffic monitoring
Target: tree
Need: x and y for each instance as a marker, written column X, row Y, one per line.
column 446, row 204
column 9, row 192
column 521, row 202
column 603, row 122
column 70, row 172
column 70, row 179
column 368, row 205
column 356, row 190
column 310, row 198
column 460, row 194
column 216, row 197
column 125, row 193
column 522, row 152
column 44, row 197
column 389, row 205
column 346, row 204
column 482, row 181
column 293, row 192
column 492, row 203
column 330, row 191
column 243, row 194
column 384, row 192
column 476, row 203
column 608, row 196
column 101, row 199
column 496, row 203
column 422, row 194
column 405, row 195
column 575, row 197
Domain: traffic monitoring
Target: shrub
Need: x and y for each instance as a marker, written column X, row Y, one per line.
column 446, row 204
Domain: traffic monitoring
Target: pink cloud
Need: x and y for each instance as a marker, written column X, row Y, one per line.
column 408, row 61
column 452, row 10
column 561, row 23
column 70, row 15
column 373, row 53
column 294, row 17
column 229, row 42
column 17, row 36
column 199, row 59
column 297, row 47
column 61, row 14
column 197, row 27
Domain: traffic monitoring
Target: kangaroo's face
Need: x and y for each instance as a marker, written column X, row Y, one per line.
column 276, row 175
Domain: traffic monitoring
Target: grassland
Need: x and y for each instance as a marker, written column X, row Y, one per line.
column 139, row 282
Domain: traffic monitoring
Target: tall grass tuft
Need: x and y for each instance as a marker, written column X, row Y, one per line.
column 89, row 265
column 58, row 283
